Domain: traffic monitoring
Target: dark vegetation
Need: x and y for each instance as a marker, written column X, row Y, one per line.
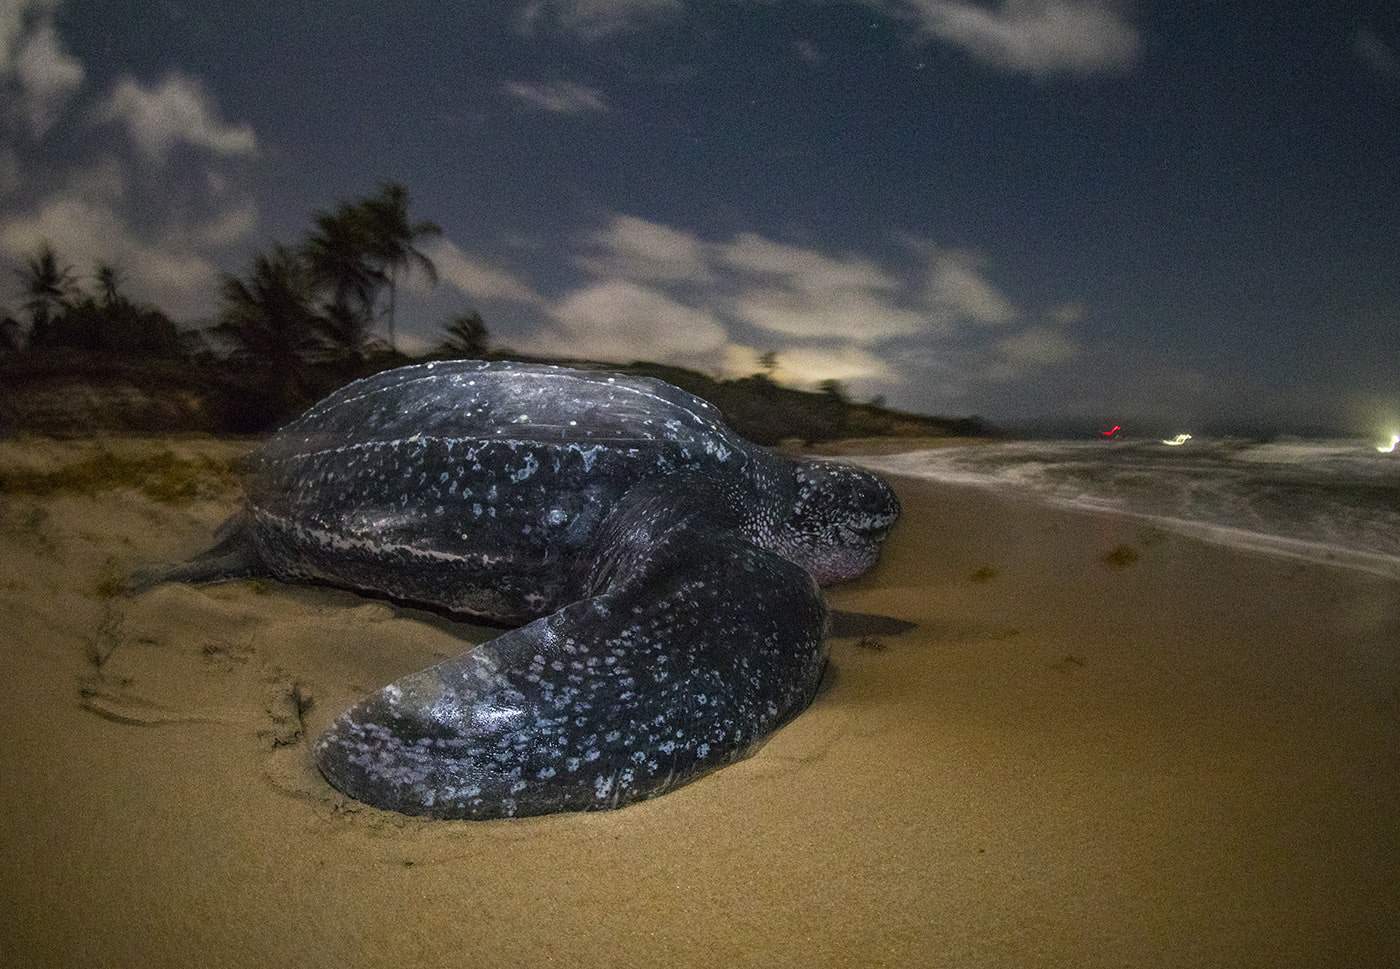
column 301, row 322
column 162, row 477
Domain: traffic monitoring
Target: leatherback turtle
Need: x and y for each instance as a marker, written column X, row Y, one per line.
column 665, row 571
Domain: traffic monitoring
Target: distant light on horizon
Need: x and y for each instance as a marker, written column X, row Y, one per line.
column 1177, row 441
column 1388, row 448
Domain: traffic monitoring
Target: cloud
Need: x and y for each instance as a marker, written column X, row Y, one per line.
column 622, row 321
column 797, row 291
column 172, row 265
column 228, row 226
column 638, row 250
column 1375, row 54
column 654, row 291
column 851, row 314
column 103, row 180
column 809, row 365
column 93, row 209
column 957, row 292
column 1037, row 37
column 803, row 269
column 1039, row 346
column 48, row 76
column 87, row 231
column 562, row 97
column 1067, row 314
column 10, row 179
column 1032, row 349
column 37, row 76
column 177, row 111
column 594, row 20
column 809, row 52
column 473, row 277
column 801, row 292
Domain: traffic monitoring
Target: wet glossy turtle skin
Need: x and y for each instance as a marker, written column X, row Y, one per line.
column 666, row 571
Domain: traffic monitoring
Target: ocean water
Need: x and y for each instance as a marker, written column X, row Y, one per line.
column 1332, row 501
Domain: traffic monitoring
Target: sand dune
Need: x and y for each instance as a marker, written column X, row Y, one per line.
column 1033, row 748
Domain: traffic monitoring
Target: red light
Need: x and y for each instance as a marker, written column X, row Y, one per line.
column 1112, row 433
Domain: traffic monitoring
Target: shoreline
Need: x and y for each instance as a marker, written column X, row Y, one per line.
column 1221, row 536
column 1030, row 749
column 1251, row 541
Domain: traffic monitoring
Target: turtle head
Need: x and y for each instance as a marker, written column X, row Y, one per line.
column 840, row 516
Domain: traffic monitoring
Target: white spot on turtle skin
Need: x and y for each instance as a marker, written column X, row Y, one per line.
column 589, row 455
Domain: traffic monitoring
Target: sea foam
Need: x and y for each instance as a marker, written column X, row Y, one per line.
column 1330, row 501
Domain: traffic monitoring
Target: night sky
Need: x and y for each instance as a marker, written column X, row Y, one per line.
column 1174, row 212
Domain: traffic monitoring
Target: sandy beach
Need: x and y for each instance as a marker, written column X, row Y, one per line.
column 1045, row 739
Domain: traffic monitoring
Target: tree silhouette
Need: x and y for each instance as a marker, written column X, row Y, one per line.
column 834, row 389
column 345, row 333
column 119, row 326
column 109, row 321
column 466, row 336
column 393, row 238
column 269, row 322
column 11, row 333
column 769, row 362
column 47, row 286
column 108, row 280
column 339, row 258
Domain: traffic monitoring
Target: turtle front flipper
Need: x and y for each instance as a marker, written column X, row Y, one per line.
column 695, row 646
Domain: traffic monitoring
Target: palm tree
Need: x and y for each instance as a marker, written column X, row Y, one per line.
column 269, row 319
column 345, row 333
column 10, row 331
column 108, row 283
column 466, row 336
column 46, row 288
column 392, row 240
column 339, row 256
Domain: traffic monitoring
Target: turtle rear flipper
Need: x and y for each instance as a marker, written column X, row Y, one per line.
column 232, row 557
